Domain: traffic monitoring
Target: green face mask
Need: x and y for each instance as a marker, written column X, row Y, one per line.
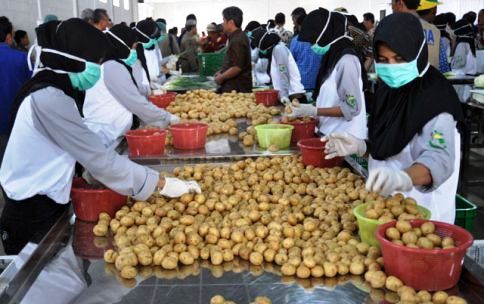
column 322, row 50
column 149, row 44
column 133, row 56
column 161, row 38
column 86, row 79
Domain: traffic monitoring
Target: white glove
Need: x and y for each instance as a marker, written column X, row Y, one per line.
column 343, row 144
column 174, row 119
column 303, row 110
column 155, row 85
column 285, row 101
column 175, row 187
column 386, row 181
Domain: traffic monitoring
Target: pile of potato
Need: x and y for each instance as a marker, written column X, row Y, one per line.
column 419, row 237
column 267, row 210
column 218, row 299
column 395, row 207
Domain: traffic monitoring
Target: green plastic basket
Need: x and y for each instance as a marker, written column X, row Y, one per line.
column 211, row 63
column 465, row 212
column 367, row 227
column 274, row 134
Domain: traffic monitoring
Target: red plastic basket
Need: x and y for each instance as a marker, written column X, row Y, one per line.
column 426, row 269
column 89, row 202
column 267, row 97
column 189, row 136
column 163, row 101
column 303, row 129
column 145, row 142
column 312, row 150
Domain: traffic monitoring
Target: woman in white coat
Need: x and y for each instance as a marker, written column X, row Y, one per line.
column 340, row 103
column 109, row 106
column 276, row 60
column 49, row 136
column 413, row 144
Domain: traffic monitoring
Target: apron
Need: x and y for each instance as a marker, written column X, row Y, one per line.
column 104, row 115
column 441, row 201
column 260, row 69
column 328, row 97
column 152, row 63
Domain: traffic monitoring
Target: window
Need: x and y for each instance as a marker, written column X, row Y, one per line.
column 103, row 1
column 126, row 5
column 116, row 3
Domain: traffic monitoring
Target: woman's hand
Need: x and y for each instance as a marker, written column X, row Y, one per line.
column 386, row 181
column 343, row 144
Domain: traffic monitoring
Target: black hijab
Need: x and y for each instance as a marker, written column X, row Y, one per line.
column 149, row 28
column 441, row 22
column 265, row 39
column 312, row 27
column 465, row 34
column 399, row 114
column 75, row 37
column 117, row 50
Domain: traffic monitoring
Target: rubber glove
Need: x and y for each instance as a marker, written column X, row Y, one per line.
column 343, row 144
column 285, row 101
column 303, row 110
column 174, row 119
column 386, row 181
column 175, row 187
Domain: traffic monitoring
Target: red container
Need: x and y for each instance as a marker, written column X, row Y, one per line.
column 89, row 202
column 145, row 142
column 303, row 129
column 312, row 150
column 163, row 101
column 267, row 97
column 189, row 136
column 426, row 269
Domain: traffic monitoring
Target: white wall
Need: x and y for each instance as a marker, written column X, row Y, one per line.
column 26, row 14
column 175, row 11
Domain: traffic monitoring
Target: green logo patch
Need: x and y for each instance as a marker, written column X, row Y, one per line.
column 351, row 101
column 282, row 68
column 437, row 140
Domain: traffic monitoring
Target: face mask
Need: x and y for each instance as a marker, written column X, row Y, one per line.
column 399, row 74
column 133, row 56
column 161, row 38
column 266, row 51
column 81, row 80
column 249, row 34
column 322, row 50
column 148, row 44
column 87, row 78
column 263, row 52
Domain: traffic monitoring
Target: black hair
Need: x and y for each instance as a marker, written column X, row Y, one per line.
column 19, row 34
column 280, row 18
column 5, row 28
column 411, row 4
column 298, row 11
column 369, row 17
column 271, row 23
column 470, row 17
column 234, row 13
column 192, row 17
column 99, row 14
column 189, row 27
column 123, row 23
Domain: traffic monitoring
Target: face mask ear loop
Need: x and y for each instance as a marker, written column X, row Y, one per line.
column 38, row 51
column 418, row 55
column 260, row 42
column 146, row 36
column 117, row 38
column 324, row 29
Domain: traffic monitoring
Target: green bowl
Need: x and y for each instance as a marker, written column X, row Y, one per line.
column 274, row 134
column 367, row 227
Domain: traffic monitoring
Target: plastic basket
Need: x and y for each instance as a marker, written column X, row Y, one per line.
column 189, row 136
column 163, row 101
column 211, row 63
column 303, row 129
column 465, row 213
column 269, row 98
column 274, row 134
column 312, row 150
column 367, row 227
column 146, row 142
column 88, row 202
column 426, row 269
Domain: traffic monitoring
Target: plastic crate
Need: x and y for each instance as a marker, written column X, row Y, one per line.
column 211, row 63
column 465, row 213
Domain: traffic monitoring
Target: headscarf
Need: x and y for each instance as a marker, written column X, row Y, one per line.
column 74, row 37
column 399, row 114
column 265, row 39
column 465, row 34
column 162, row 27
column 441, row 22
column 120, row 50
column 50, row 17
column 251, row 26
column 312, row 27
column 145, row 30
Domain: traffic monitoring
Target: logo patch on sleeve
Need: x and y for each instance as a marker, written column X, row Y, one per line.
column 437, row 140
column 351, row 101
column 282, row 68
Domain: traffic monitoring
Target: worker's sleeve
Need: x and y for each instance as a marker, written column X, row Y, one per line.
column 459, row 60
column 350, row 86
column 141, row 79
column 280, row 70
column 57, row 118
column 435, row 149
column 121, row 86
column 443, row 63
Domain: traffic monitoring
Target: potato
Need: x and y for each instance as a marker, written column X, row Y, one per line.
column 186, row 258
column 303, row 272
column 409, row 237
column 427, row 228
column 216, row 257
column 455, row 300
column 435, row 239
column 262, row 300
column 169, row 263
column 447, row 242
column 424, row 296
column 288, row 269
column 392, row 283
column 103, row 216
column 256, row 258
column 110, row 256
column 127, row 221
column 392, row 233
column 440, row 297
column 218, row 299
column 357, row 268
column 403, row 226
column 330, row 269
column 425, row 243
column 100, row 230
column 378, row 280
column 145, row 258
column 128, row 272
